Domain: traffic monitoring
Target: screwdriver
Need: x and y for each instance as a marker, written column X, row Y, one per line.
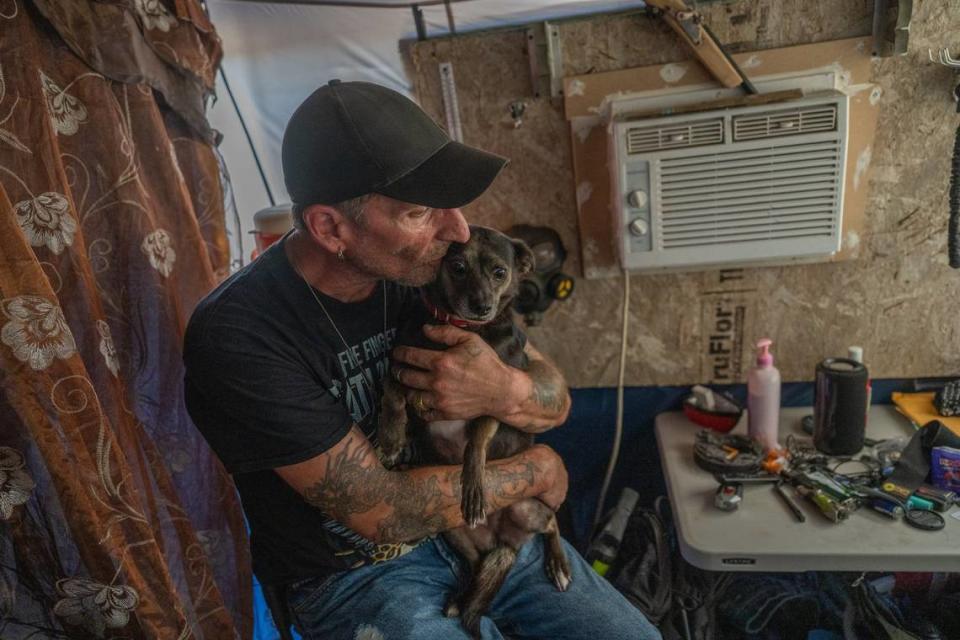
column 787, row 500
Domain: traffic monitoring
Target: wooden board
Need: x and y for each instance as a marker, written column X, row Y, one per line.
column 895, row 296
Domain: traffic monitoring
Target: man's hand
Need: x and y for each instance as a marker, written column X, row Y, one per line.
column 469, row 380
column 555, row 478
column 465, row 381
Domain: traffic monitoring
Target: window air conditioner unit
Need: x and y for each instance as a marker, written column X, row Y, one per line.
column 754, row 184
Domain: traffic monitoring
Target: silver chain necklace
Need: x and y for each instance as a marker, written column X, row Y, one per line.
column 330, row 318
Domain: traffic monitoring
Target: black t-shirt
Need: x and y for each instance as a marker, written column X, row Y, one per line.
column 270, row 383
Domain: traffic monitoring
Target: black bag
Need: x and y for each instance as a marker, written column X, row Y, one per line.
column 873, row 617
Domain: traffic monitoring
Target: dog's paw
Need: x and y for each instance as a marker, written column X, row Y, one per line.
column 388, row 457
column 558, row 569
column 452, row 610
column 472, row 506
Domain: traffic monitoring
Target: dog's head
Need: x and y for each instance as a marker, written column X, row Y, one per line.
column 479, row 278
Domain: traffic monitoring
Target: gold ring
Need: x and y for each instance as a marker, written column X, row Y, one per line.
column 418, row 402
column 396, row 374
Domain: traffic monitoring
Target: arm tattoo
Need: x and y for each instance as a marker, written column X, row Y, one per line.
column 416, row 507
column 507, row 483
column 418, row 504
column 549, row 390
column 412, row 504
column 348, row 486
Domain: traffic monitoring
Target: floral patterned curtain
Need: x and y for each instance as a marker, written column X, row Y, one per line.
column 116, row 521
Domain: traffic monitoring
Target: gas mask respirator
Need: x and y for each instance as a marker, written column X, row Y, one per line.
column 546, row 282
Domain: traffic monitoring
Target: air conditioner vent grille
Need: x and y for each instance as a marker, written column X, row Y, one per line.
column 674, row 136
column 785, row 122
column 781, row 192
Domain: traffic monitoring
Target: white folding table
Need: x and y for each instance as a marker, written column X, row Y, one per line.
column 762, row 535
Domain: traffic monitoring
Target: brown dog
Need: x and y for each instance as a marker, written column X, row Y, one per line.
column 474, row 290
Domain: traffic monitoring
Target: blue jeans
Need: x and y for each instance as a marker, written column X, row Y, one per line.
column 404, row 598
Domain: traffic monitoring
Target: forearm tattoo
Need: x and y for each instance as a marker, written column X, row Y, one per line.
column 509, row 482
column 349, row 485
column 417, row 505
column 408, row 505
column 549, row 389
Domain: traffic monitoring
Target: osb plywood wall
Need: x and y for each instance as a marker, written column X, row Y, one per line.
column 897, row 298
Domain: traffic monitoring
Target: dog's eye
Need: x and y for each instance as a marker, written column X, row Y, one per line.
column 499, row 273
column 458, row 268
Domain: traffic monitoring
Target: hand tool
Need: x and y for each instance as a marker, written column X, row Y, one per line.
column 787, row 500
column 731, row 478
column 689, row 25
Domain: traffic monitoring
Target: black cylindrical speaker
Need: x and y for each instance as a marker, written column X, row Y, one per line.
column 840, row 406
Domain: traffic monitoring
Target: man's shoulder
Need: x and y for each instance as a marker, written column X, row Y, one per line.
column 238, row 301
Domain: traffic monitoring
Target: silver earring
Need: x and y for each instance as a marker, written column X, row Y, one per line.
column 340, row 253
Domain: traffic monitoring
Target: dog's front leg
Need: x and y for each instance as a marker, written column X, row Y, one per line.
column 557, row 565
column 392, row 428
column 479, row 434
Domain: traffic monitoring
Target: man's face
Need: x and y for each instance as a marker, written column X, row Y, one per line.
column 404, row 242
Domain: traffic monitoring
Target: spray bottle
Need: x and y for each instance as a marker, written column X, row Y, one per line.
column 763, row 398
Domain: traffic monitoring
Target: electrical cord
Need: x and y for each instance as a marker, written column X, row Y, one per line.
column 953, row 234
column 246, row 132
column 870, row 470
column 618, row 425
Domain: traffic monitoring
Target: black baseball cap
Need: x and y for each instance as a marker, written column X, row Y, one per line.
column 349, row 139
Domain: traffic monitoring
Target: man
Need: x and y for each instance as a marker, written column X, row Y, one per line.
column 284, row 369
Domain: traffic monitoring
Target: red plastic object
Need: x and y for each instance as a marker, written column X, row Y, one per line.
column 722, row 422
column 909, row 582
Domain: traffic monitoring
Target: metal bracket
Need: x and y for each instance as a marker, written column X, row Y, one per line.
column 690, row 21
column 882, row 46
column 546, row 60
column 901, row 33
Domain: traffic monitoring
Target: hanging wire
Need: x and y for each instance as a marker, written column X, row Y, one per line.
column 618, row 426
column 246, row 132
column 953, row 237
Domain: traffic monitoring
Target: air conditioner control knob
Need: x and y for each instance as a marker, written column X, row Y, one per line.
column 639, row 227
column 638, row 198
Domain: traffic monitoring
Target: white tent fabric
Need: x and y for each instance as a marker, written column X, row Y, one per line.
column 276, row 54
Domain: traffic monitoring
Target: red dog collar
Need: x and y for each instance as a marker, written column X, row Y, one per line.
column 447, row 318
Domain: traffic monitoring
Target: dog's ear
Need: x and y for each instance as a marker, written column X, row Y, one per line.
column 522, row 257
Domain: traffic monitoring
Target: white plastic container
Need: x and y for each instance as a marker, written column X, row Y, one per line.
column 763, row 398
